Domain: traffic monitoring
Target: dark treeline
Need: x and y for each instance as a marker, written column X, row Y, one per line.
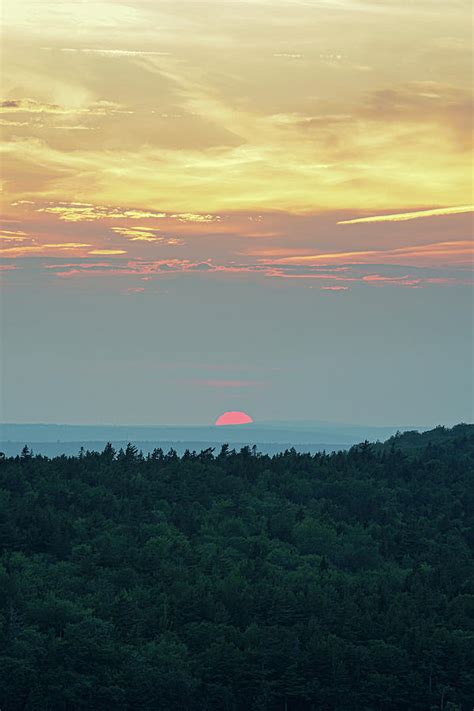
column 236, row 581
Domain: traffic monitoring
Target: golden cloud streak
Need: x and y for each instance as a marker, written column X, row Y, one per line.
column 13, row 235
column 108, row 251
column 39, row 248
column 138, row 234
column 403, row 216
column 86, row 212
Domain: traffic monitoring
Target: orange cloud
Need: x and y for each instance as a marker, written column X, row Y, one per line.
column 454, row 252
column 39, row 248
column 13, row 235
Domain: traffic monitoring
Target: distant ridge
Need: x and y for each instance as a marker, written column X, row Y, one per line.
column 269, row 438
column 279, row 432
column 55, row 440
column 55, row 449
column 412, row 440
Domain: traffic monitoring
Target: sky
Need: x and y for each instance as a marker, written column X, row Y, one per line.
column 260, row 205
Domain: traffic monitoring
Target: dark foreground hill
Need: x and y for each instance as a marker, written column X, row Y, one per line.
column 237, row 581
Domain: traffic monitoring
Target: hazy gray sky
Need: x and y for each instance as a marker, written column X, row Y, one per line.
column 193, row 345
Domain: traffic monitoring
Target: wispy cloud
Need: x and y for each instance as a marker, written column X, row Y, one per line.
column 78, row 265
column 139, row 234
column 107, row 251
column 288, row 55
column 452, row 252
column 29, row 250
column 87, row 212
column 13, row 235
column 14, row 124
column 223, row 383
column 134, row 290
column 76, row 127
column 32, row 106
column 105, row 52
column 244, row 158
column 403, row 216
column 193, row 217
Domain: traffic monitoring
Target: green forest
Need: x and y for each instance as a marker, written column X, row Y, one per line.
column 236, row 581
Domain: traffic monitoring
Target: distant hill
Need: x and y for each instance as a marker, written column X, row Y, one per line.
column 56, row 449
column 440, row 435
column 268, row 437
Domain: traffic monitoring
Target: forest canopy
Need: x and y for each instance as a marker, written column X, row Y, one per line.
column 238, row 581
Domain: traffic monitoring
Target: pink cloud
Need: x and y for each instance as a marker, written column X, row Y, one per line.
column 219, row 383
column 291, row 270
column 380, row 280
column 7, row 267
column 455, row 252
column 281, row 274
column 78, row 265
column 134, row 290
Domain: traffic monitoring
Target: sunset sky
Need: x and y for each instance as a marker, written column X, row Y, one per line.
column 258, row 205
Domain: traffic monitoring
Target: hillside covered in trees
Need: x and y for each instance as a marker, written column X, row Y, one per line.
column 236, row 581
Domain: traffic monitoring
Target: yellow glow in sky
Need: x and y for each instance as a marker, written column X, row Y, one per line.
column 115, row 112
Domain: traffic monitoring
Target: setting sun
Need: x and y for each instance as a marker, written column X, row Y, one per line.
column 233, row 418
